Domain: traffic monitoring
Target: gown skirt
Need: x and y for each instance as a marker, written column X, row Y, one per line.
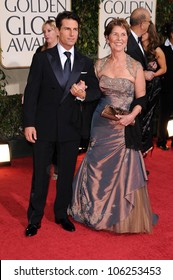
column 110, row 186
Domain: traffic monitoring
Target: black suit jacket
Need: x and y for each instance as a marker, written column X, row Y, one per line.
column 134, row 51
column 49, row 107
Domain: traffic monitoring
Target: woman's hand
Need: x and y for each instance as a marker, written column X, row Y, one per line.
column 126, row 119
column 149, row 75
column 78, row 90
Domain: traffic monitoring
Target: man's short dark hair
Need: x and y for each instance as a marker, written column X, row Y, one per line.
column 66, row 15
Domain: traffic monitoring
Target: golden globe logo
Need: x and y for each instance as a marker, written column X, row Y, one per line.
column 111, row 8
column 21, row 28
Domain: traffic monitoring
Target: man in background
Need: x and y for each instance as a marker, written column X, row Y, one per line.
column 139, row 24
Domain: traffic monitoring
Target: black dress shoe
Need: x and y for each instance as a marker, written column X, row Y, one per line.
column 66, row 224
column 32, row 229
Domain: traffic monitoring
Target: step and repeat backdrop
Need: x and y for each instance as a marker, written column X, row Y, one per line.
column 121, row 9
column 21, row 28
column 21, row 25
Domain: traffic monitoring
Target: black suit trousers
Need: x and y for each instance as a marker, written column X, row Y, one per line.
column 42, row 158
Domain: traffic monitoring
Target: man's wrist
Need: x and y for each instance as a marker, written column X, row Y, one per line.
column 82, row 94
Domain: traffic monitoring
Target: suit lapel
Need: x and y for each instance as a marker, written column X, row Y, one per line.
column 142, row 54
column 75, row 74
column 135, row 45
column 54, row 59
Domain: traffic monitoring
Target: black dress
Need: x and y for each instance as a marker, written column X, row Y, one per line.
column 153, row 89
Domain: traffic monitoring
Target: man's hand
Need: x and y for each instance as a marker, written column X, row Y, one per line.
column 30, row 134
column 78, row 90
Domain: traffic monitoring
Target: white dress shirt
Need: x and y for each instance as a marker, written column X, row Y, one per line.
column 63, row 57
column 168, row 43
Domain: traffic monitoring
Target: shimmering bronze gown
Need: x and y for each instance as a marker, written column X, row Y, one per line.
column 109, row 189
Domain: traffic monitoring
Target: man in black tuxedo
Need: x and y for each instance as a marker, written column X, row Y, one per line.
column 60, row 81
column 139, row 23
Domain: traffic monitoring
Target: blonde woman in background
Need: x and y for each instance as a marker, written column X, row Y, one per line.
column 50, row 35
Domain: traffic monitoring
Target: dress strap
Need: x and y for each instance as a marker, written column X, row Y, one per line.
column 99, row 65
column 132, row 65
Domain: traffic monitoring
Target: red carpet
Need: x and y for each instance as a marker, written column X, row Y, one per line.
column 53, row 243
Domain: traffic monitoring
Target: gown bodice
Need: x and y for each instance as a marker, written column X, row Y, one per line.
column 117, row 91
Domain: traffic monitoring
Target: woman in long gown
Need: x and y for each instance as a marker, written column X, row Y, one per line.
column 109, row 189
column 157, row 64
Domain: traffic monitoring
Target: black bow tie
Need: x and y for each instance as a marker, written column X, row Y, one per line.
column 139, row 39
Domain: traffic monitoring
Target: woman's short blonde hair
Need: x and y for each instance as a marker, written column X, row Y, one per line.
column 51, row 22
